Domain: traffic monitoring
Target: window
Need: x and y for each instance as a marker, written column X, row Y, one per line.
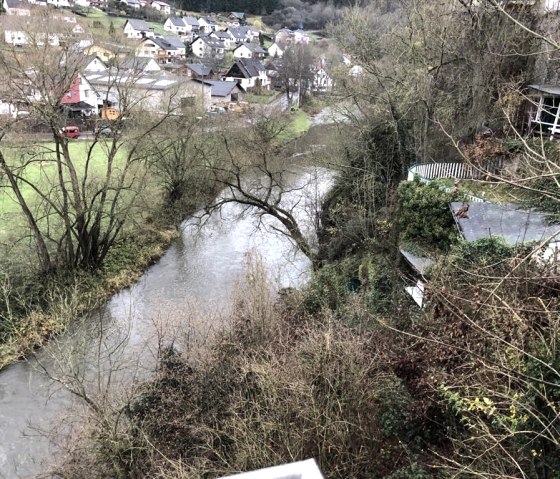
column 549, row 110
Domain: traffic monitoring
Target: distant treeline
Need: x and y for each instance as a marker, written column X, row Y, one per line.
column 276, row 13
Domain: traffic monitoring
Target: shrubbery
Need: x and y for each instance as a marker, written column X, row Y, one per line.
column 424, row 216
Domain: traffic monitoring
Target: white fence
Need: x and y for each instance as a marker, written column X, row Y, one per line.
column 462, row 171
column 427, row 172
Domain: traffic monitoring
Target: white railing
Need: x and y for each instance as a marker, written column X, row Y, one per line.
column 427, row 172
column 461, row 171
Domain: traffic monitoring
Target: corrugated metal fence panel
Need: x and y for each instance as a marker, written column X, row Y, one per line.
column 427, row 172
column 460, row 171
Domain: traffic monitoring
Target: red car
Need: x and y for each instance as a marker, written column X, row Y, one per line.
column 70, row 131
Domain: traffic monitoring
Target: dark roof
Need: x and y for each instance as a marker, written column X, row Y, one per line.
column 514, row 225
column 177, row 21
column 139, row 25
column 136, row 63
column 17, row 4
column 220, row 34
column 209, row 21
column 253, row 47
column 199, row 69
column 79, row 106
column 191, row 21
column 163, row 43
column 211, row 42
column 174, row 41
column 221, row 88
column 238, row 32
column 248, row 68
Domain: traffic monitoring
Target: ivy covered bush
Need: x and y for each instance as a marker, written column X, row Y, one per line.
column 424, row 216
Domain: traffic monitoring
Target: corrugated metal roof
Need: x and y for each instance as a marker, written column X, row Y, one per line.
column 550, row 89
column 514, row 225
column 419, row 263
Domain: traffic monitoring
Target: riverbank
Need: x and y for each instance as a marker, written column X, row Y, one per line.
column 48, row 305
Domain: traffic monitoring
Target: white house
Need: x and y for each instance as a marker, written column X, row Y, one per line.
column 248, row 73
column 299, row 36
column 95, row 64
column 175, row 25
column 206, row 47
column 81, row 97
column 137, row 29
column 162, row 7
column 249, row 50
column 140, row 64
column 322, row 81
column 16, row 7
column 276, row 51
column 224, row 37
column 167, row 49
column 135, row 4
column 59, row 3
column 207, row 25
column 192, row 24
column 151, row 92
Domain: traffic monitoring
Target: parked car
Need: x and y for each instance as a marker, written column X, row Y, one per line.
column 70, row 131
column 105, row 131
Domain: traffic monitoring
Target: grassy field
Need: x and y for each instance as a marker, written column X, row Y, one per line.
column 261, row 99
column 43, row 172
column 97, row 19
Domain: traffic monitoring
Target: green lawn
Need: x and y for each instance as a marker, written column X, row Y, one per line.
column 43, row 172
column 300, row 122
column 118, row 22
column 261, row 99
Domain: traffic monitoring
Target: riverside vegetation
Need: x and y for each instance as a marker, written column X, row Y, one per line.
column 348, row 370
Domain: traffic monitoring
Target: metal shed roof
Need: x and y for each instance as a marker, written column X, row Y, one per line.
column 514, row 225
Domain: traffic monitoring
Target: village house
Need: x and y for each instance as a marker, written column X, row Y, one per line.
column 175, row 25
column 322, row 81
column 59, row 3
column 207, row 25
column 165, row 49
column 222, row 93
column 81, row 99
column 134, row 4
column 162, row 7
column 140, row 64
column 94, row 64
column 20, row 32
column 16, row 7
column 106, row 51
column 224, row 37
column 206, row 47
column 276, row 50
column 249, row 74
column 157, row 92
column 283, row 36
column 249, row 50
column 134, row 28
column 236, row 19
column 300, row 37
column 286, row 36
column 198, row 71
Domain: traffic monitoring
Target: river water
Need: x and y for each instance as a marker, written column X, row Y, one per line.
column 193, row 282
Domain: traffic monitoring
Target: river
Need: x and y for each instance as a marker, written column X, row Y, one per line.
column 192, row 283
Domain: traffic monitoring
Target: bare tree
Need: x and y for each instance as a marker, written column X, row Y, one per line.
column 79, row 212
